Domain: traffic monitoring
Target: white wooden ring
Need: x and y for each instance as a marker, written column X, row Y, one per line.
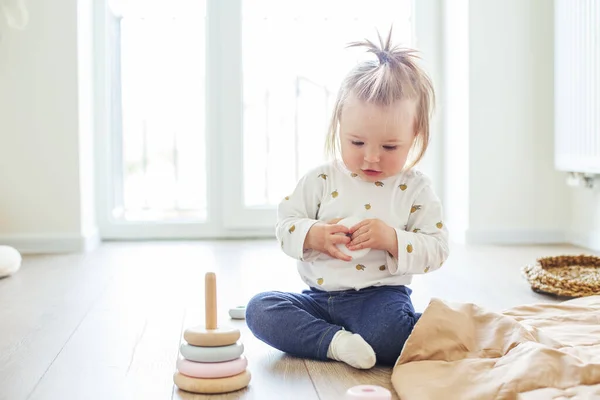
column 349, row 222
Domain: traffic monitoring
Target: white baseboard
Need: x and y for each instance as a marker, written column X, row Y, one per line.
column 515, row 237
column 52, row 243
column 56, row 243
column 589, row 240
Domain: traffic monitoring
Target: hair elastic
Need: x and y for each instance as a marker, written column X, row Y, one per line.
column 383, row 57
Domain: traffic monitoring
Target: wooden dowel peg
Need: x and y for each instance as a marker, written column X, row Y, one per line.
column 210, row 300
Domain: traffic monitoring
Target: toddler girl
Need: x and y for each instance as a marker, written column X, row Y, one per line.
column 359, row 311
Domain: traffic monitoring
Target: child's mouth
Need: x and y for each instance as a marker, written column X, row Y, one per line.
column 371, row 172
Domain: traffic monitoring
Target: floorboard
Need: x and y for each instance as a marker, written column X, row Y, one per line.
column 109, row 323
column 40, row 308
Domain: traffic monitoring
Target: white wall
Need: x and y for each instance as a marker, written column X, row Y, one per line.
column 496, row 114
column 45, row 137
column 513, row 193
column 455, row 108
column 585, row 218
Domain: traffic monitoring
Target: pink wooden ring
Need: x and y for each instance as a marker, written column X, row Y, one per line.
column 212, row 370
column 368, row 392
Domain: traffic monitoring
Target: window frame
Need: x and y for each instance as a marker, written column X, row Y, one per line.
column 226, row 217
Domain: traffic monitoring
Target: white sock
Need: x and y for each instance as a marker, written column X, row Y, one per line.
column 352, row 349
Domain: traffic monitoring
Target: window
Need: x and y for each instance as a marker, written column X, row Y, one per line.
column 215, row 109
column 162, row 135
column 294, row 56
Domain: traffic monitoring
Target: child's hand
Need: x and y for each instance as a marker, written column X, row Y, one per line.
column 324, row 238
column 373, row 234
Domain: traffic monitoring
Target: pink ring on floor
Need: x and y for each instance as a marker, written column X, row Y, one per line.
column 212, row 370
column 368, row 392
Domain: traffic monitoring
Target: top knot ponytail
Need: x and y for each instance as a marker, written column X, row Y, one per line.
column 385, row 52
column 396, row 74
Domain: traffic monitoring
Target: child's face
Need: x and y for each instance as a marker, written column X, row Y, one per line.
column 376, row 140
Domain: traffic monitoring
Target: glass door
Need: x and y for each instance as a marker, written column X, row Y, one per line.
column 210, row 111
column 163, row 137
column 152, row 142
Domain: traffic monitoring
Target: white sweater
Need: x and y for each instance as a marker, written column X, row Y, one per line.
column 405, row 202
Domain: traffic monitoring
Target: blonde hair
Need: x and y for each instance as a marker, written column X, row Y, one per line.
column 394, row 76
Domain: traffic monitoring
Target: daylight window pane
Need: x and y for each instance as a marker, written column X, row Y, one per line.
column 163, row 110
column 294, row 58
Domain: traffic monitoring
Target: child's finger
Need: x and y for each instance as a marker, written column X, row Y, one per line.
column 339, row 239
column 358, row 240
column 338, row 229
column 360, row 232
column 361, row 238
column 362, row 245
column 335, row 252
column 356, row 227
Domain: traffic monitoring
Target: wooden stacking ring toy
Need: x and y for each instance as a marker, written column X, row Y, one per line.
column 212, row 354
column 210, row 386
column 371, row 392
column 212, row 370
column 213, row 360
column 210, row 335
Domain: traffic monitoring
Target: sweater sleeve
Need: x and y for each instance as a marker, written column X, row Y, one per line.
column 296, row 214
column 423, row 246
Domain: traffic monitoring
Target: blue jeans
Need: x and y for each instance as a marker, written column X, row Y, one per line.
column 304, row 324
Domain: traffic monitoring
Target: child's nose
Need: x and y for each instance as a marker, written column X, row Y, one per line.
column 371, row 156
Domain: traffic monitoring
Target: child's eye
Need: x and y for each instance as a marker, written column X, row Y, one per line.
column 357, row 143
column 390, row 147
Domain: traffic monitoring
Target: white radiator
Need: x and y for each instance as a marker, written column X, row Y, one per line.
column 577, row 85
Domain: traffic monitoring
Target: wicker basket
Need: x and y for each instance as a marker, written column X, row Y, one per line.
column 565, row 276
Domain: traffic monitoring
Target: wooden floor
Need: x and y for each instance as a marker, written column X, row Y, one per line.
column 108, row 324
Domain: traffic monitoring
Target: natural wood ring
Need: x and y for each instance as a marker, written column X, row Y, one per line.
column 210, row 386
column 200, row 336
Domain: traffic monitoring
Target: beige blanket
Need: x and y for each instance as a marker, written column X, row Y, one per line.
column 539, row 351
